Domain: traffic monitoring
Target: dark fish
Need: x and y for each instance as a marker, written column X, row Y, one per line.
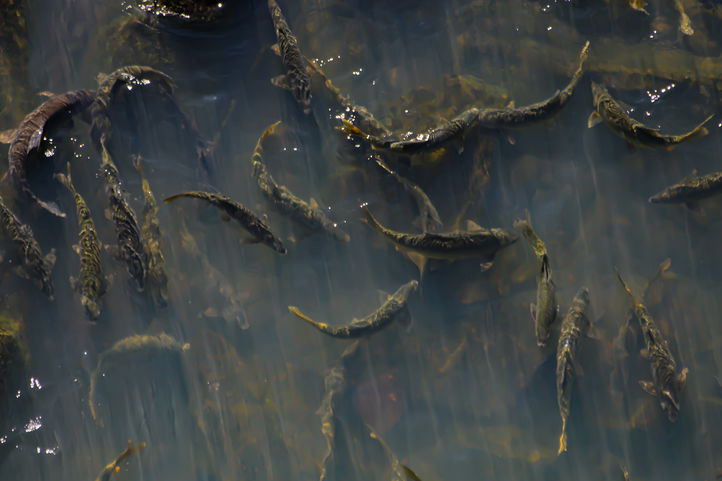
column 546, row 309
column 307, row 214
column 91, row 283
column 130, row 248
column 611, row 112
column 574, row 326
column 690, row 189
column 231, row 209
column 480, row 243
column 296, row 78
column 129, row 346
column 33, row 265
column 666, row 384
column 394, row 308
column 114, row 466
column 29, row 134
column 151, row 235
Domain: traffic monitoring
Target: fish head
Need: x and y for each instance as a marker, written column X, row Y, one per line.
column 274, row 243
column 597, row 91
column 504, row 237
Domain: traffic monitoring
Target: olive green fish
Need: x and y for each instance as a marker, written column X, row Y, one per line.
column 636, row 133
column 129, row 346
column 231, row 209
column 395, row 307
column 151, row 234
column 307, row 214
column 690, row 189
column 666, row 384
column 130, row 248
column 91, row 283
column 477, row 243
column 296, row 78
column 546, row 309
column 33, row 265
column 574, row 326
column 114, row 466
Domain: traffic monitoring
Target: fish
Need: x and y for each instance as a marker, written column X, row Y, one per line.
column 685, row 24
column 395, row 307
column 33, row 265
column 114, row 466
column 546, row 309
column 690, row 189
column 667, row 384
column 129, row 346
column 91, row 283
column 151, row 234
column 574, row 326
column 27, row 137
column 477, row 243
column 130, row 248
column 231, row 209
column 636, row 133
column 428, row 215
column 307, row 214
column 296, row 78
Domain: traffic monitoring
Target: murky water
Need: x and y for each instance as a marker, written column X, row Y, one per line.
column 462, row 392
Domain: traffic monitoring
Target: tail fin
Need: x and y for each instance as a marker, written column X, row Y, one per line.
column 697, row 132
column 563, row 439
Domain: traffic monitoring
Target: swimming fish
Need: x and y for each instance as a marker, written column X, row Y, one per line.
column 33, row 265
column 685, row 24
column 307, row 214
column 574, row 326
column 114, row 466
column 151, row 235
column 130, row 248
column 546, row 309
column 296, row 78
column 480, row 243
column 690, row 189
column 395, row 307
column 129, row 346
column 231, row 209
column 91, row 283
column 666, row 384
column 611, row 112
column 29, row 134
column 428, row 215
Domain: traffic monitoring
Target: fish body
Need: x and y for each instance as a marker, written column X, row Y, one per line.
column 247, row 219
column 29, row 134
column 308, row 215
column 130, row 248
column 692, row 188
column 666, row 384
column 151, row 235
column 545, row 311
column 611, row 112
column 33, row 265
column 296, row 78
column 395, row 307
column 574, row 326
column 91, row 282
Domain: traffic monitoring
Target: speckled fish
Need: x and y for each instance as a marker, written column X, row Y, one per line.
column 151, row 234
column 477, row 243
column 296, row 78
column 29, row 134
column 231, row 209
column 574, row 326
column 130, row 248
column 129, row 346
column 307, row 214
column 636, row 133
column 114, row 466
column 546, row 309
column 91, row 283
column 33, row 265
column 666, row 384
column 428, row 215
column 690, row 189
column 395, row 307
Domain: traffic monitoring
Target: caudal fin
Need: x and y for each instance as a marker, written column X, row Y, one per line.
column 697, row 132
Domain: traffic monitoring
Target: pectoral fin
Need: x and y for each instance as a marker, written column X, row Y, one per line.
column 532, row 309
column 6, row 136
column 682, row 378
column 486, row 265
column 76, row 249
column 594, row 119
column 312, row 202
column 281, row 81
column 648, row 387
column 418, row 260
column 275, row 48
